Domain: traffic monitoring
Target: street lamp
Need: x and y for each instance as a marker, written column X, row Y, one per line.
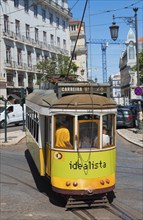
column 114, row 35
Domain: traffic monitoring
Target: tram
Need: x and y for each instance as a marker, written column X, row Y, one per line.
column 88, row 170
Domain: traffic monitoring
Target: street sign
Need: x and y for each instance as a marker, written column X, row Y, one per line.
column 138, row 90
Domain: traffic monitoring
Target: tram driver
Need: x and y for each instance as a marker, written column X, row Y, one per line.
column 62, row 136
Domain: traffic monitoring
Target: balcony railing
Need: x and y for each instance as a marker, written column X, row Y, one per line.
column 53, row 5
column 10, row 83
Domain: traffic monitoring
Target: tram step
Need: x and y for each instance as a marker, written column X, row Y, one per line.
column 79, row 202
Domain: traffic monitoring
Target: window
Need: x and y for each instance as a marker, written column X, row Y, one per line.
column 74, row 56
column 64, row 132
column 131, row 51
column 51, row 18
column 27, row 31
column 29, row 59
column 58, row 41
column 63, row 3
column 43, row 14
column 19, row 57
column 32, row 122
column 57, row 21
column 6, row 23
column 17, row 27
column 52, row 39
column 26, row 5
column 8, row 54
column 108, row 129
column 64, row 44
column 73, row 27
column 64, row 25
column 35, row 9
column 88, row 131
column 37, row 57
column 44, row 37
column 16, row 3
column 36, row 34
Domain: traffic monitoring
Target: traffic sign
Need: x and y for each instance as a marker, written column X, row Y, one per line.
column 138, row 90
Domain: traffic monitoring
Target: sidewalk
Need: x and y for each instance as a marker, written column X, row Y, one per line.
column 13, row 137
column 129, row 134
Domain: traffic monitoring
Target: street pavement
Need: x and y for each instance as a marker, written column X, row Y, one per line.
column 131, row 134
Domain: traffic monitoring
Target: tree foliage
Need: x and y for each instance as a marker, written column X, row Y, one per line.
column 140, row 66
column 59, row 66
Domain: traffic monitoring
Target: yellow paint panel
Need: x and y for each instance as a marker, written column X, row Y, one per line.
column 83, row 184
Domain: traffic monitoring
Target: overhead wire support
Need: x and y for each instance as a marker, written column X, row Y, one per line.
column 76, row 39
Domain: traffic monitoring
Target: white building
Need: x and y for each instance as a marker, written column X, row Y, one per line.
column 30, row 31
column 127, row 62
column 115, row 81
column 80, row 54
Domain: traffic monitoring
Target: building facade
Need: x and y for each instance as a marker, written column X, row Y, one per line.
column 126, row 66
column 80, row 53
column 30, row 31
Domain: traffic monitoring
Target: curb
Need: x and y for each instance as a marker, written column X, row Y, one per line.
column 14, row 141
column 126, row 138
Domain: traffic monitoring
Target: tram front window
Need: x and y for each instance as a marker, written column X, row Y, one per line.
column 88, row 131
column 64, row 132
column 108, row 130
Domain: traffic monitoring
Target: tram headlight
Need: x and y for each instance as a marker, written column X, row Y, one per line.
column 75, row 183
column 107, row 181
column 68, row 183
column 102, row 182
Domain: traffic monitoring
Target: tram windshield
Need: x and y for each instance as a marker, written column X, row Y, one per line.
column 87, row 132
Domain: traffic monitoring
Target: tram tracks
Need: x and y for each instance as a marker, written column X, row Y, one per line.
column 115, row 210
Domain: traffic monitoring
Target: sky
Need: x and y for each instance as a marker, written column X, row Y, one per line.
column 98, row 17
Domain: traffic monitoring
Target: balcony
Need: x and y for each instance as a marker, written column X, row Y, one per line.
column 56, row 7
column 20, row 83
column 8, row 34
column 10, row 83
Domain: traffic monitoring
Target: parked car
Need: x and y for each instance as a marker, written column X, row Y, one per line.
column 124, row 117
column 134, row 109
column 14, row 115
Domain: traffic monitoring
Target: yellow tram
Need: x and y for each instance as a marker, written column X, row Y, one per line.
column 87, row 168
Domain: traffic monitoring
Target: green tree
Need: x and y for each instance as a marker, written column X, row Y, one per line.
column 58, row 66
column 140, row 66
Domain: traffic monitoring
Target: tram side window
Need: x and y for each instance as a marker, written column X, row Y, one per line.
column 108, row 130
column 64, row 131
column 88, row 131
column 32, row 122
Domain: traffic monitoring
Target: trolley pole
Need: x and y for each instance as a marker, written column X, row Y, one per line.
column 22, row 101
column 5, row 123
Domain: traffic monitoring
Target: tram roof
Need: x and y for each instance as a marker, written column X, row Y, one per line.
column 48, row 98
column 84, row 101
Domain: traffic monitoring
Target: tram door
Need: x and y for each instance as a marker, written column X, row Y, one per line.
column 48, row 121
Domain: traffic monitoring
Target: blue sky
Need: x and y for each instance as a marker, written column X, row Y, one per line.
column 98, row 18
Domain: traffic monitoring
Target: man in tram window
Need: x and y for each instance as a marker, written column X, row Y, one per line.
column 62, row 136
column 106, row 139
column 85, row 141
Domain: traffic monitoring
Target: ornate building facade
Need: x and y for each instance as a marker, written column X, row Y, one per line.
column 30, row 31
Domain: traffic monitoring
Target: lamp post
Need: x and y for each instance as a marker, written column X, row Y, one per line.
column 114, row 35
column 114, row 29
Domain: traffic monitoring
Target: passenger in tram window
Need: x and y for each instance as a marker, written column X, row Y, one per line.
column 106, row 139
column 85, row 141
column 62, row 136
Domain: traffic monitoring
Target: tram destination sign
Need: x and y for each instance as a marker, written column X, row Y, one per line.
column 75, row 88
